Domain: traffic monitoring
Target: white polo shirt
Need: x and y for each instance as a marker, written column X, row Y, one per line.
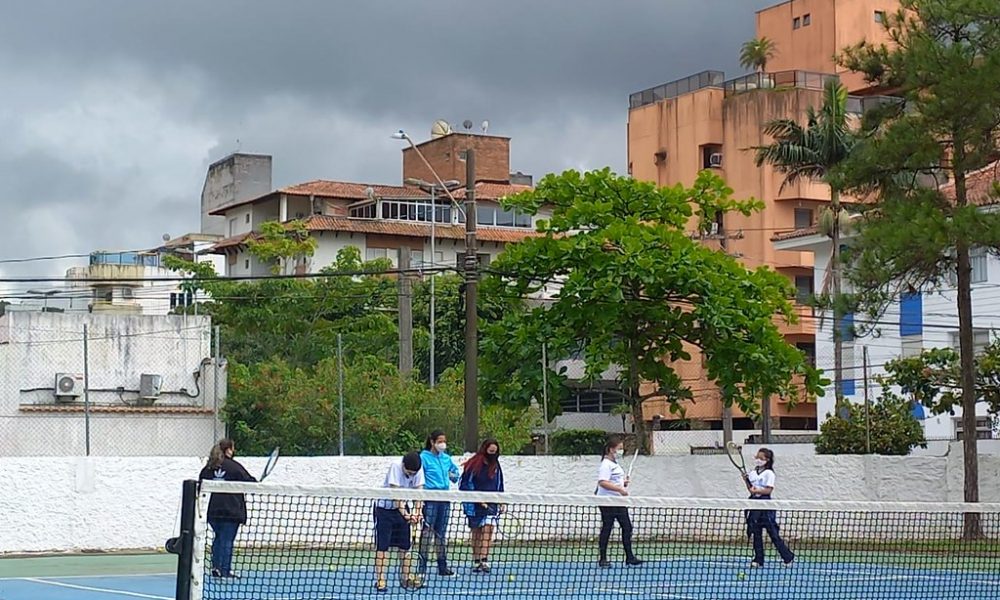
column 610, row 471
column 396, row 477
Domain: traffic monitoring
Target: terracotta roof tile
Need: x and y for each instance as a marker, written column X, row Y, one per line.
column 385, row 227
column 980, row 186
column 348, row 190
column 798, row 233
column 503, row 235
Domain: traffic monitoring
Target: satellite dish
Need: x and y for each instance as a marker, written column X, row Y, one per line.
column 440, row 128
column 486, row 126
column 166, row 237
column 467, row 124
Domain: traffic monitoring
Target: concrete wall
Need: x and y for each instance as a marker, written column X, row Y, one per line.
column 36, row 346
column 236, row 178
column 62, row 504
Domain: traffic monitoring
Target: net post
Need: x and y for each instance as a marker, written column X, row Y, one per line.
column 185, row 560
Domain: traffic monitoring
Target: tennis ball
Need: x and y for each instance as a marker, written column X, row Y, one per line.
column 741, row 576
column 510, row 578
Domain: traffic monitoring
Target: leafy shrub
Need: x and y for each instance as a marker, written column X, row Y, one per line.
column 578, row 442
column 894, row 430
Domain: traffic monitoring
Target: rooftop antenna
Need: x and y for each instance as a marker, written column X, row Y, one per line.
column 485, row 126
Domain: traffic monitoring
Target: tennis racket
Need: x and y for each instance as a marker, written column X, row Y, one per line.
column 508, row 525
column 272, row 460
column 735, row 454
column 407, row 580
column 631, row 465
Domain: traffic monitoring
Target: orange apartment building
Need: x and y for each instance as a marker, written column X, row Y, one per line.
column 705, row 121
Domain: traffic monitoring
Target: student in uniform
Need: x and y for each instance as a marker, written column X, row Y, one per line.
column 393, row 519
column 611, row 481
column 440, row 471
column 226, row 512
column 760, row 482
column 482, row 473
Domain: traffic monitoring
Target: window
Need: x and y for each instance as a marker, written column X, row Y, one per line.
column 806, row 20
column 880, row 16
column 796, row 23
column 127, row 293
column 246, row 264
column 980, row 264
column 809, row 349
column 232, row 227
column 984, row 428
column 505, row 218
column 911, row 314
column 485, row 215
column 248, row 218
column 708, row 151
column 391, row 253
column 980, row 340
column 847, row 327
column 803, row 288
column 848, row 385
column 417, row 258
column 803, row 218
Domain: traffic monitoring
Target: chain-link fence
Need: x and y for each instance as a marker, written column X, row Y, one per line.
column 110, row 385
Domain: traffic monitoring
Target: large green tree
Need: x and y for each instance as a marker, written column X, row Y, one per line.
column 627, row 284
column 944, row 63
column 815, row 152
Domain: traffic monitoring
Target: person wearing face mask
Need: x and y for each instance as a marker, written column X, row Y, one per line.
column 611, row 481
column 440, row 471
column 482, row 473
column 760, row 482
column 226, row 512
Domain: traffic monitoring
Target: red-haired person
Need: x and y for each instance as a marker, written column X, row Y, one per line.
column 482, row 474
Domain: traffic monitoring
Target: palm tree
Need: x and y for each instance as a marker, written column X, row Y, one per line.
column 814, row 152
column 755, row 53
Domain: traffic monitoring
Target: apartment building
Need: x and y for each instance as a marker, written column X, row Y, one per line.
column 382, row 220
column 706, row 121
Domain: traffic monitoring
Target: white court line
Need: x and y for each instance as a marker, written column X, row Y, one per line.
column 87, row 588
column 103, row 576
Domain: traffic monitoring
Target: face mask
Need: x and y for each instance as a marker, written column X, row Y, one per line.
column 491, row 457
column 759, row 462
column 619, row 453
column 441, row 447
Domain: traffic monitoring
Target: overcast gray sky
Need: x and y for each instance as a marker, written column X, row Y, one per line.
column 110, row 110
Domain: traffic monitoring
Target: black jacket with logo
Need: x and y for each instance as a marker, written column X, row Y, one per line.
column 227, row 507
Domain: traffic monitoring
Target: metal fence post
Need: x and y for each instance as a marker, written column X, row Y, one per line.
column 340, row 389
column 86, row 391
column 217, row 362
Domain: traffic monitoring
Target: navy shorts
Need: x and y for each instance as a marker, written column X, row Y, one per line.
column 391, row 530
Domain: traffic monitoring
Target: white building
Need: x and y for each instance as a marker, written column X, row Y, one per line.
column 135, row 282
column 921, row 320
column 140, row 386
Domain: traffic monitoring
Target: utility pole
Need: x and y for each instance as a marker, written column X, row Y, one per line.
column 868, row 417
column 471, row 310
column 405, row 314
column 433, row 261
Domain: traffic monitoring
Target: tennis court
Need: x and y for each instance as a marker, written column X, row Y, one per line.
column 689, row 579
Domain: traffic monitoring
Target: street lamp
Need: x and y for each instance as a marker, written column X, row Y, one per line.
column 432, row 188
column 471, row 289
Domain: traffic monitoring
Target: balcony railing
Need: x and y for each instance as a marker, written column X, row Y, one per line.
column 806, row 80
column 421, row 211
column 676, row 88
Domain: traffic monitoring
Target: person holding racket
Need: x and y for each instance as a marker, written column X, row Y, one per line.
column 393, row 519
column 482, row 473
column 760, row 481
column 226, row 512
column 612, row 481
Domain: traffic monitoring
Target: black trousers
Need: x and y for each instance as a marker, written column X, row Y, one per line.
column 610, row 514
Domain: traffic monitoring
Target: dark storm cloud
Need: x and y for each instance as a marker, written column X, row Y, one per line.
column 120, row 104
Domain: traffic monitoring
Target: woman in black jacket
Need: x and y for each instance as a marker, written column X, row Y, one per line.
column 226, row 512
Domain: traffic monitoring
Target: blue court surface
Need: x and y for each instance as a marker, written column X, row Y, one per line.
column 676, row 579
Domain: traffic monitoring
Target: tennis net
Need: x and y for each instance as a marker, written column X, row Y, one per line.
column 304, row 543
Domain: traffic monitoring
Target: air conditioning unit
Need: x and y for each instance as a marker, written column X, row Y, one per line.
column 714, row 229
column 149, row 388
column 715, row 159
column 69, row 387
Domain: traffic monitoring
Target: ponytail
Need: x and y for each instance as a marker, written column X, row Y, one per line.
column 218, row 453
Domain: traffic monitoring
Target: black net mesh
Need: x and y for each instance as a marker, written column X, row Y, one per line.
column 308, row 543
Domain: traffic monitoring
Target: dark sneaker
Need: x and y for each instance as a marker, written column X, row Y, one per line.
column 633, row 562
column 603, row 563
column 445, row 572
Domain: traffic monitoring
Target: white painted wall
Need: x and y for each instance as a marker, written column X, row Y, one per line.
column 35, row 346
column 62, row 504
column 940, row 320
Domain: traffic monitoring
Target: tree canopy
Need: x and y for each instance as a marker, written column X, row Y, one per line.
column 630, row 287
